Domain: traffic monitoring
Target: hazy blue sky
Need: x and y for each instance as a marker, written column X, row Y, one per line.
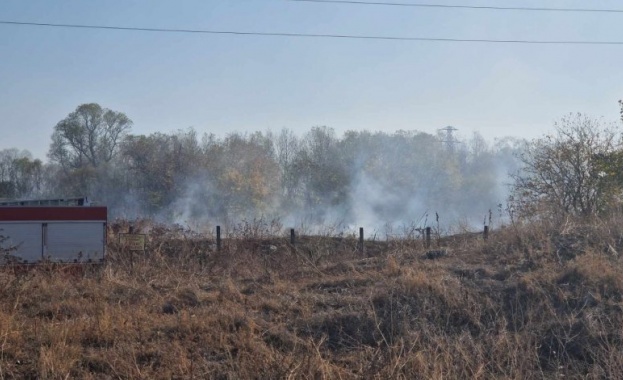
column 223, row 83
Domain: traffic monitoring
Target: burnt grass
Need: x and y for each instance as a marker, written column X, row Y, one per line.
column 530, row 302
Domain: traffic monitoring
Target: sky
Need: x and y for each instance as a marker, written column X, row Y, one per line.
column 222, row 84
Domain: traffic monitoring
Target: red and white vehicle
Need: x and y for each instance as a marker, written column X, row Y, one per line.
column 60, row 234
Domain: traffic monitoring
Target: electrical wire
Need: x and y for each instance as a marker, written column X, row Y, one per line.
column 308, row 35
column 457, row 6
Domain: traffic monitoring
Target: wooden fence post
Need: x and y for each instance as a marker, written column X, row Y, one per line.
column 485, row 233
column 292, row 240
column 361, row 239
column 131, row 231
column 218, row 238
column 428, row 232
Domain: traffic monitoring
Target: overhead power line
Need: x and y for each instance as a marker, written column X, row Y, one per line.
column 309, row 35
column 458, row 6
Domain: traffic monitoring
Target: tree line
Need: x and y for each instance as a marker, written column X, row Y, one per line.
column 361, row 176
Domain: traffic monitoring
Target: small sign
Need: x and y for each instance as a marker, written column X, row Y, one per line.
column 133, row 242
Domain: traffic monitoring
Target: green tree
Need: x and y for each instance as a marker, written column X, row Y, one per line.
column 320, row 171
column 157, row 166
column 89, row 136
column 20, row 175
column 84, row 143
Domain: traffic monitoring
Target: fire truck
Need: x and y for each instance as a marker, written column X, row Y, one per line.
column 67, row 230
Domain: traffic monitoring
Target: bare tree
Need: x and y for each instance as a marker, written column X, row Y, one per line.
column 287, row 147
column 563, row 173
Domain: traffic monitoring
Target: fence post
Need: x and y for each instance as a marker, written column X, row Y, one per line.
column 292, row 240
column 485, row 233
column 131, row 231
column 428, row 231
column 218, row 238
column 361, row 239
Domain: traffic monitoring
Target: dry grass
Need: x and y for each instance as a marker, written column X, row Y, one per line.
column 535, row 301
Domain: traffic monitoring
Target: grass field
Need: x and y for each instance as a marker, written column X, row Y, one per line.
column 534, row 301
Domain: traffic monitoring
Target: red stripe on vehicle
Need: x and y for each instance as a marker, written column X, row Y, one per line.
column 18, row 214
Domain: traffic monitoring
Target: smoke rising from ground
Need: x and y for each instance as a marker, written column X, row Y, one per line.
column 314, row 182
column 320, row 180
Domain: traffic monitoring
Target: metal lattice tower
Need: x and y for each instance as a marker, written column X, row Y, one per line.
column 449, row 139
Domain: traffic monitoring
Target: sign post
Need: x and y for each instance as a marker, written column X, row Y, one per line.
column 132, row 242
